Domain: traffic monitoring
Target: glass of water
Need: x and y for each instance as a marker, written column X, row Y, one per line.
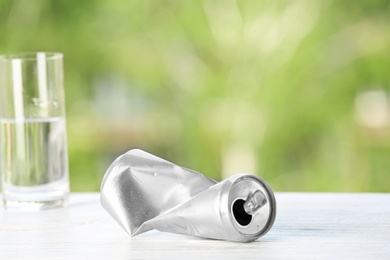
column 33, row 147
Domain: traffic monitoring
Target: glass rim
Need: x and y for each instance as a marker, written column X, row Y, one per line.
column 30, row 56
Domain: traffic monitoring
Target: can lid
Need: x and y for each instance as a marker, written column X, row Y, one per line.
column 252, row 206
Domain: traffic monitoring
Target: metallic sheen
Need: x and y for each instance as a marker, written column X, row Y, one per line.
column 143, row 192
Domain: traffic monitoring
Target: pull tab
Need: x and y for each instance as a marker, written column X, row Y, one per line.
column 254, row 202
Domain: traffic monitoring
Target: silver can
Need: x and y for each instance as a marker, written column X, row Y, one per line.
column 143, row 192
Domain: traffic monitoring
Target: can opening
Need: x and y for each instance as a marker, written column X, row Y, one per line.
column 239, row 213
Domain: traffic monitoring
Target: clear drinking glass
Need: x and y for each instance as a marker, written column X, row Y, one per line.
column 33, row 147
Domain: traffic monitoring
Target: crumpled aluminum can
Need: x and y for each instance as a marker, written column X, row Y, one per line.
column 144, row 192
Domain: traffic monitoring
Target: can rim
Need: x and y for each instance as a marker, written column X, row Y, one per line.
column 272, row 204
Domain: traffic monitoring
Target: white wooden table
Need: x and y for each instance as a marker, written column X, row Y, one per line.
column 307, row 226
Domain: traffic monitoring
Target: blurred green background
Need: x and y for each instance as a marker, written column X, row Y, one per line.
column 294, row 91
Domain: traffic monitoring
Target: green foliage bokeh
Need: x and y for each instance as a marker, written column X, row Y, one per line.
column 270, row 87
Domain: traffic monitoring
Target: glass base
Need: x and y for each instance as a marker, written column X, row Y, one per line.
column 17, row 205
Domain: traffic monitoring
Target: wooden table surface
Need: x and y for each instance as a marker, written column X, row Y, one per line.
column 307, row 226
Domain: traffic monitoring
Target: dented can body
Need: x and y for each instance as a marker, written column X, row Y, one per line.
column 144, row 192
